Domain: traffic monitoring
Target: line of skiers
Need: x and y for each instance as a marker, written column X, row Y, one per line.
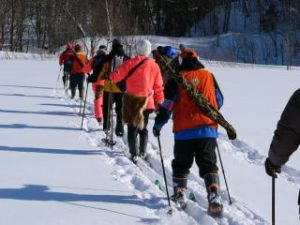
column 141, row 85
column 149, row 87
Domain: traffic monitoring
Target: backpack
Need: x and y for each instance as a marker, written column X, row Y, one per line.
column 97, row 67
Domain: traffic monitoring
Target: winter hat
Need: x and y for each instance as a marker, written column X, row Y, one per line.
column 143, row 47
column 161, row 50
column 182, row 47
column 188, row 53
column 102, row 47
column 69, row 46
column 116, row 43
column 170, row 52
column 77, row 47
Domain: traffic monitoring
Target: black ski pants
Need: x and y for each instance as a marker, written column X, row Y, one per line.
column 133, row 132
column 202, row 149
column 117, row 98
column 76, row 80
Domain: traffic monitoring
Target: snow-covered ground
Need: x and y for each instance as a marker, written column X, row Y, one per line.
column 54, row 173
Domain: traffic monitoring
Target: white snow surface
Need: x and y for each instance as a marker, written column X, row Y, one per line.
column 54, row 173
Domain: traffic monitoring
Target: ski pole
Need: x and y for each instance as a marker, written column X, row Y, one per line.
column 111, row 118
column 299, row 202
column 164, row 173
column 84, row 105
column 219, row 154
column 58, row 77
column 273, row 200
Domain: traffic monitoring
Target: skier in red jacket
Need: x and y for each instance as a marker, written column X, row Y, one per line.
column 66, row 59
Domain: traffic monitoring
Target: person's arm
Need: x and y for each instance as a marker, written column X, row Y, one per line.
column 158, row 87
column 120, row 73
column 286, row 138
column 165, row 110
column 287, row 135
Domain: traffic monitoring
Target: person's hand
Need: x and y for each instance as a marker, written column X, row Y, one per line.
column 271, row 169
column 89, row 79
column 231, row 133
column 156, row 131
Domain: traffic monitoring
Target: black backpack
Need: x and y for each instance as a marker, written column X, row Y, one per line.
column 97, row 67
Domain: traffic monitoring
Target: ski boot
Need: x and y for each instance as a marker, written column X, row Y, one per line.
column 215, row 206
column 99, row 120
column 134, row 159
column 179, row 198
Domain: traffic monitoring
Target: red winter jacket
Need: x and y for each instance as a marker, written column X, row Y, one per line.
column 146, row 80
column 66, row 56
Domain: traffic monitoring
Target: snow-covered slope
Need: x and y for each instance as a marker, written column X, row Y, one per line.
column 54, row 173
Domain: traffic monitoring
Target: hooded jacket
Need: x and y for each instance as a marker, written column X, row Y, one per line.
column 145, row 81
column 287, row 134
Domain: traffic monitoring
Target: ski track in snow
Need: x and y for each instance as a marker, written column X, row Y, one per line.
column 141, row 178
column 242, row 151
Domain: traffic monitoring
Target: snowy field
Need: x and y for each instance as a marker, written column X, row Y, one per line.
column 54, row 173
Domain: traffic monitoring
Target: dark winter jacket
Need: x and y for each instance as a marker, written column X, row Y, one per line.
column 287, row 135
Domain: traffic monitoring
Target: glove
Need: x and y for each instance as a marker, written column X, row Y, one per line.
column 271, row 169
column 231, row 133
column 89, row 80
column 92, row 78
column 156, row 131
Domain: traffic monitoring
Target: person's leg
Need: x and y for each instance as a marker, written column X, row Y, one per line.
column 98, row 91
column 181, row 164
column 206, row 160
column 118, row 99
column 73, row 85
column 80, row 83
column 131, row 138
column 143, row 134
column 107, row 104
column 64, row 78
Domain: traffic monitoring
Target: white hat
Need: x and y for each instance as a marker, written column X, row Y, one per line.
column 143, row 47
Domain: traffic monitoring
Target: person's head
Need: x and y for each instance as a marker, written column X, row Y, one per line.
column 77, row 48
column 189, row 54
column 190, row 60
column 102, row 50
column 156, row 54
column 161, row 50
column 170, row 52
column 182, row 47
column 117, row 48
column 143, row 47
column 116, row 44
column 69, row 46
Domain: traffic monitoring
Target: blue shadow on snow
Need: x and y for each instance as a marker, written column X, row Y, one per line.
column 24, row 126
column 41, row 193
column 48, row 150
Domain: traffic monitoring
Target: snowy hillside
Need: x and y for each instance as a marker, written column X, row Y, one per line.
column 243, row 32
column 54, row 173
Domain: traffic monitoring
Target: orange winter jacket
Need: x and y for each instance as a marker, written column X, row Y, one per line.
column 146, row 79
column 187, row 114
column 77, row 67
